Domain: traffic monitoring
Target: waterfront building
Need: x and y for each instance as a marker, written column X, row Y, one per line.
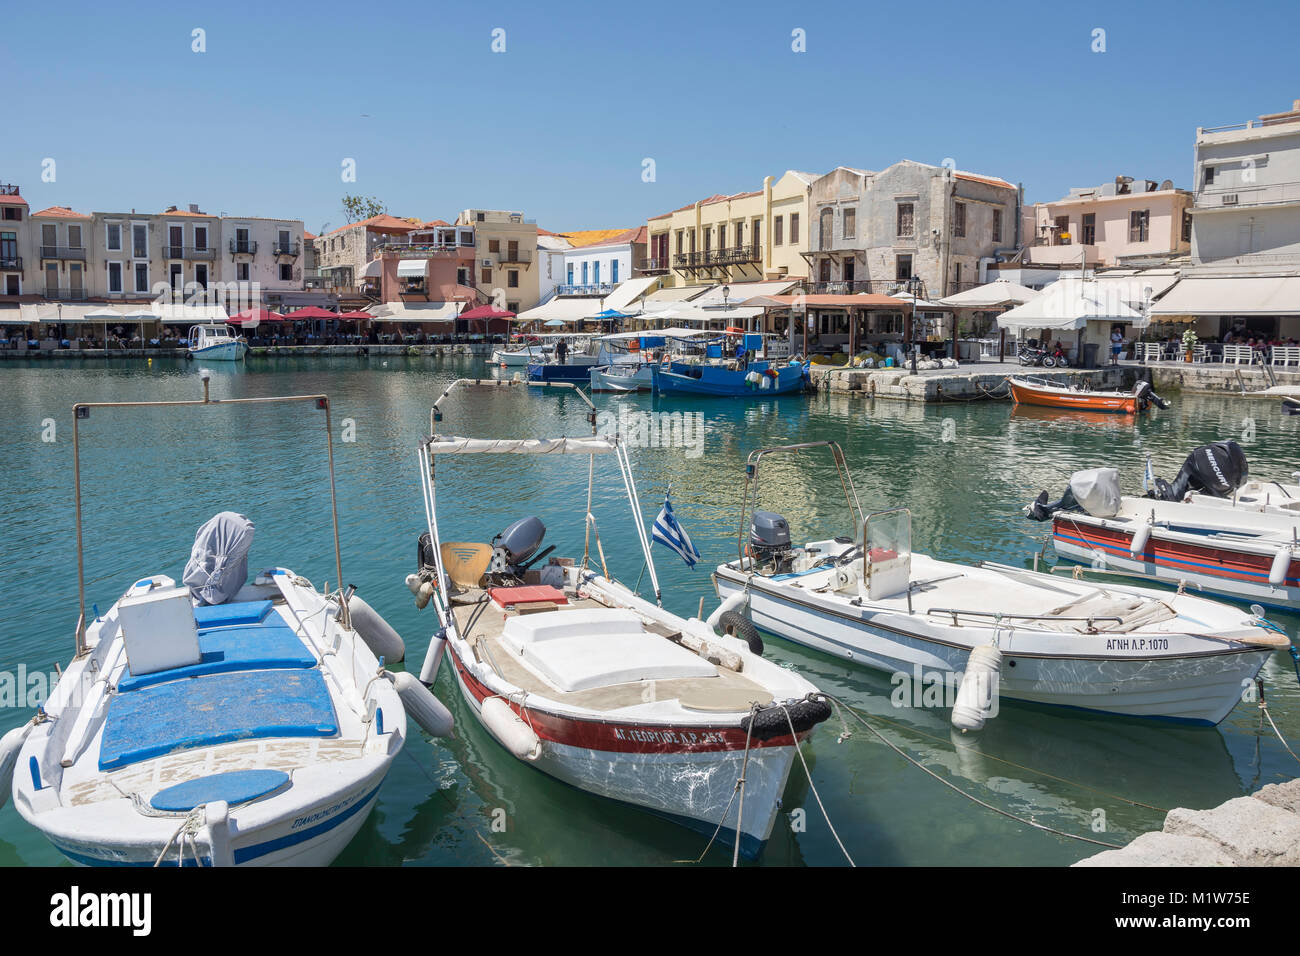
column 550, row 263
column 431, row 264
column 15, row 244
column 1128, row 222
column 60, row 255
column 505, row 257
column 1243, row 278
column 343, row 254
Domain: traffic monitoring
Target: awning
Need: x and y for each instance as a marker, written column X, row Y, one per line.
column 626, row 293
column 738, row 292
column 563, row 308
column 374, row 268
column 692, row 313
column 920, row 304
column 665, row 297
column 1139, row 287
column 12, row 315
column 1244, row 295
column 1071, row 304
column 447, row 445
column 174, row 314
column 415, row 311
column 992, row 295
column 410, row 269
column 860, row 300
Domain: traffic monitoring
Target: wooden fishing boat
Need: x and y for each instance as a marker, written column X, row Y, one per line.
column 1033, row 392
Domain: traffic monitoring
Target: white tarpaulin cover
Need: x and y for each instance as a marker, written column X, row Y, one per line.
column 1071, row 304
column 218, row 565
column 563, row 309
column 410, row 269
column 415, row 311
column 1097, row 489
column 1244, row 295
column 447, row 445
column 991, row 295
column 627, row 292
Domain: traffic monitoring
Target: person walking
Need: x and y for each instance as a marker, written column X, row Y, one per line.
column 562, row 351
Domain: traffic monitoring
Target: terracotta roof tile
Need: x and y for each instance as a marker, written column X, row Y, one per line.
column 7, row 199
column 61, row 212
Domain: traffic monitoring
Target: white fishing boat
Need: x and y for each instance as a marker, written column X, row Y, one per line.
column 521, row 357
column 218, row 723
column 627, row 360
column 1036, row 637
column 216, row 343
column 575, row 674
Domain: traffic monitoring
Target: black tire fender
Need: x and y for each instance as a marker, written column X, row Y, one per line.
column 737, row 625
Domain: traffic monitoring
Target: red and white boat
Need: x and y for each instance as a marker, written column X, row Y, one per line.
column 1031, row 392
column 572, row 672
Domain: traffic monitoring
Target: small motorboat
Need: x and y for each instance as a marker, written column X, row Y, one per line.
column 1034, row 637
column 521, row 356
column 577, row 675
column 1208, row 528
column 581, row 357
column 1036, row 392
column 216, row 343
column 731, row 372
column 627, row 359
column 219, row 722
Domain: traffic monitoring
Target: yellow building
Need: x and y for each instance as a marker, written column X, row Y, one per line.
column 506, row 266
column 745, row 237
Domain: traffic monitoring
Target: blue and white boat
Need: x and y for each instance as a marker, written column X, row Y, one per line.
column 731, row 373
column 216, row 343
column 219, row 722
column 622, row 368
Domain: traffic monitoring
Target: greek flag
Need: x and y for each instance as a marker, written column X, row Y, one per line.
column 673, row 536
column 1148, row 477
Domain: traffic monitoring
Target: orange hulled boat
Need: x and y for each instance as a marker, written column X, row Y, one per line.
column 1031, row 392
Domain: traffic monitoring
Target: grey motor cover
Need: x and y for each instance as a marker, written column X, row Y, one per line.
column 767, row 529
column 218, row 565
column 1097, row 491
column 520, row 540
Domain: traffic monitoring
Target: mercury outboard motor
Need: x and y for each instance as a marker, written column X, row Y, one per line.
column 1095, row 491
column 1147, row 396
column 769, row 540
column 512, row 548
column 1217, row 469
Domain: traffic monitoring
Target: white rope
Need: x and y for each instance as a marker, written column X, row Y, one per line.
column 812, row 786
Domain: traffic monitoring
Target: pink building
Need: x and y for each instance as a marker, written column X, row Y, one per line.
column 1128, row 222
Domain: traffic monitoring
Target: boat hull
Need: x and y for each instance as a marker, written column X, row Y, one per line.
column 632, row 378
column 1215, row 567
column 225, row 352
column 1194, row 689
column 520, row 359
column 726, row 383
column 687, row 774
column 1113, row 402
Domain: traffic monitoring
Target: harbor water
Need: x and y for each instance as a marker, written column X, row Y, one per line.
column 965, row 471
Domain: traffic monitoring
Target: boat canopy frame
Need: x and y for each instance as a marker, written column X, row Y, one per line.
column 81, row 411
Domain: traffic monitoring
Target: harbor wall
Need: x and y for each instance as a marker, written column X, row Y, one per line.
column 478, row 349
column 955, row 386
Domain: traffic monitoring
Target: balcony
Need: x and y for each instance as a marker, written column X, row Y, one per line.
column 243, row 247
column 66, row 295
column 11, row 263
column 598, row 288
column 408, row 250
column 721, row 258
column 521, row 256
column 655, row 267
column 189, row 252
column 854, row 286
column 1252, row 194
column 286, row 249
column 64, row 252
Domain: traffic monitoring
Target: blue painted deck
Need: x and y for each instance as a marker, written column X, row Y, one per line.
column 224, row 615
column 215, row 709
column 240, row 648
column 234, row 787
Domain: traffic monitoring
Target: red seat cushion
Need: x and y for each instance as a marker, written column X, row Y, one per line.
column 527, row 595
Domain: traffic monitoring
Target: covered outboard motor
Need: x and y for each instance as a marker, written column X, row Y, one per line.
column 1217, row 469
column 218, row 565
column 1146, row 397
column 512, row 548
column 769, row 539
column 1095, row 491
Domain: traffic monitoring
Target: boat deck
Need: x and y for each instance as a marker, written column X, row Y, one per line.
column 716, row 688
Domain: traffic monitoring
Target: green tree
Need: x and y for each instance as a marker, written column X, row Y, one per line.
column 357, row 208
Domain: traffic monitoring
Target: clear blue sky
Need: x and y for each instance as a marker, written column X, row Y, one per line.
column 558, row 125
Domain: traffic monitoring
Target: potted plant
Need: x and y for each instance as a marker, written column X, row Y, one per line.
column 1189, row 344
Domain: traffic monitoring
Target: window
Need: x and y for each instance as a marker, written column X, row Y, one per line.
column 903, row 267
column 115, row 277
column 494, row 245
column 1139, row 225
column 201, row 238
column 959, row 220
column 906, row 220
column 74, row 237
column 51, row 280
column 512, row 278
column 1208, row 179
column 1088, row 229
column 1187, row 225
column 570, row 279
column 241, row 271
column 755, row 232
column 142, row 277
column 49, row 240
column 1062, row 230
column 512, row 307
column 613, row 272
column 480, row 217
column 722, row 236
column 850, row 223
column 284, row 240
column 201, row 275
column 794, row 228
column 997, row 225
column 485, row 275
column 139, row 240
column 462, row 277
column 13, row 285
column 76, row 276
column 286, row 272
column 778, row 226
column 14, row 214
column 8, row 245
column 826, row 228
column 595, row 273
column 175, row 277
column 824, row 271
column 585, row 270
column 680, row 233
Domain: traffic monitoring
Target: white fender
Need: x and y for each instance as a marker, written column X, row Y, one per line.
column 1141, row 534
column 509, row 728
column 433, row 659
column 977, row 697
column 10, row 745
column 1281, row 566
column 378, row 634
column 216, row 816
column 421, row 706
column 732, row 603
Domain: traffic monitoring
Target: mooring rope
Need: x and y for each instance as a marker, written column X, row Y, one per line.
column 812, row 786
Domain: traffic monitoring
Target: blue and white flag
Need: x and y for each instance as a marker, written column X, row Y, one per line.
column 1148, row 478
column 673, row 536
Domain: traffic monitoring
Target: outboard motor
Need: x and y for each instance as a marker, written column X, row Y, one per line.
column 1146, row 397
column 1217, row 469
column 512, row 548
column 1095, row 491
column 769, row 540
column 218, row 565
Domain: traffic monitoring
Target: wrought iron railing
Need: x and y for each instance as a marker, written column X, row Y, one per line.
column 63, row 252
column 243, row 247
column 67, row 295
